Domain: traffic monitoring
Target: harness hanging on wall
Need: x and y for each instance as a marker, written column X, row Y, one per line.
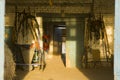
column 95, row 37
column 95, row 26
column 25, row 23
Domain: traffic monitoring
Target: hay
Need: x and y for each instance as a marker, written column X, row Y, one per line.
column 9, row 66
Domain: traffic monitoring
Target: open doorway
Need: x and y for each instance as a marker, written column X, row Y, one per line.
column 60, row 41
column 57, row 39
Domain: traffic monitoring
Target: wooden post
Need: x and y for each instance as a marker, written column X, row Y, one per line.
column 117, row 41
column 2, row 12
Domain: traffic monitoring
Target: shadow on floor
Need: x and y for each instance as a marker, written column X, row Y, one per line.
column 59, row 72
column 105, row 73
column 20, row 74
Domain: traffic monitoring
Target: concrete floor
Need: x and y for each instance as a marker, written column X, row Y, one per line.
column 55, row 70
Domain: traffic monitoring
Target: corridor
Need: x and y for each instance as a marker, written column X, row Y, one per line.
column 55, row 70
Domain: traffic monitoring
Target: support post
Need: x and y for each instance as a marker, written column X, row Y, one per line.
column 117, row 41
column 2, row 12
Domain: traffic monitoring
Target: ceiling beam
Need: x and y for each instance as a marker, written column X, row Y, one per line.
column 47, row 4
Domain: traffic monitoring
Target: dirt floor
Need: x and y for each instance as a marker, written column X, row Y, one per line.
column 55, row 70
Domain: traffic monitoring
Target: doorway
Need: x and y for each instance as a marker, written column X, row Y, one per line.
column 60, row 41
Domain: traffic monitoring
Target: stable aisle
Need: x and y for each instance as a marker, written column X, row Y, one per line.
column 55, row 70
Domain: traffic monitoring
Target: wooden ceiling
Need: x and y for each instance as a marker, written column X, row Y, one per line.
column 56, row 6
column 48, row 2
